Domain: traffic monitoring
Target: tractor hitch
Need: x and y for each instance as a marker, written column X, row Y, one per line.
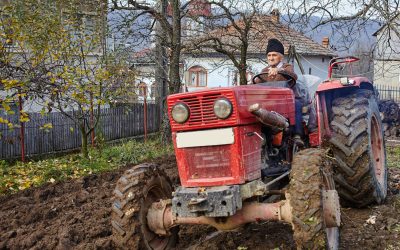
column 160, row 218
column 218, row 201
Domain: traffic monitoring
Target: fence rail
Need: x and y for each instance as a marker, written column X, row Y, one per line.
column 388, row 92
column 115, row 123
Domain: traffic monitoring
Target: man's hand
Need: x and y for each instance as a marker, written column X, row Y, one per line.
column 272, row 71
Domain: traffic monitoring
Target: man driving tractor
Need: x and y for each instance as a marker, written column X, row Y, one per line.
column 277, row 70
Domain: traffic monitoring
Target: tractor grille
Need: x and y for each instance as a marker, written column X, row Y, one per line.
column 202, row 113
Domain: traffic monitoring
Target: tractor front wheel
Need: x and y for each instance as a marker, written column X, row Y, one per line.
column 136, row 190
column 310, row 180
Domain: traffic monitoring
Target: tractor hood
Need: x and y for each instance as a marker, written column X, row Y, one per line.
column 201, row 105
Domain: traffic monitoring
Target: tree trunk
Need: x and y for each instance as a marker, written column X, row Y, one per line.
column 243, row 79
column 84, row 148
column 166, row 136
column 243, row 60
column 174, row 76
column 161, row 65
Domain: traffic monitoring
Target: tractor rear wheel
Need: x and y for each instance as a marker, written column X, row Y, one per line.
column 309, row 178
column 136, row 190
column 358, row 147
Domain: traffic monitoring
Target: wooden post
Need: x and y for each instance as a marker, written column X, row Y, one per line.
column 92, row 120
column 145, row 112
column 22, row 128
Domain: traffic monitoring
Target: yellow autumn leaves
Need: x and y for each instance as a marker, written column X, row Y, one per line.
column 19, row 176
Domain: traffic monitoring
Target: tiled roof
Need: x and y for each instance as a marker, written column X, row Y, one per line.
column 264, row 28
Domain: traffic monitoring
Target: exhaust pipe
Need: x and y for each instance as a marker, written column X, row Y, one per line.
column 269, row 118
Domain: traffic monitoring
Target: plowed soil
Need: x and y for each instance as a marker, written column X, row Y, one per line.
column 75, row 214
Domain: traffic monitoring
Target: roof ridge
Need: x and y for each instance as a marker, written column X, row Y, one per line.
column 264, row 28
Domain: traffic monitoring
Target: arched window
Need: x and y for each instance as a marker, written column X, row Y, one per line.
column 197, row 77
column 142, row 89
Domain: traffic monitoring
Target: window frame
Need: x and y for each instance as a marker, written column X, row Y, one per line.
column 197, row 70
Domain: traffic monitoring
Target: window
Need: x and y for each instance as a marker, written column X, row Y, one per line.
column 83, row 28
column 197, row 77
column 90, row 25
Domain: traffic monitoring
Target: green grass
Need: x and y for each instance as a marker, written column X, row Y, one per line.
column 19, row 176
column 393, row 156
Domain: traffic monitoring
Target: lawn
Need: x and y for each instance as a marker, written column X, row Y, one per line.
column 393, row 156
column 19, row 176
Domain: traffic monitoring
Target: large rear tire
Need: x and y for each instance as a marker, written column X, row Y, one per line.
column 309, row 177
column 136, row 190
column 358, row 147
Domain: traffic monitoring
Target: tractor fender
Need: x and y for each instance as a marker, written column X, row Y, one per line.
column 356, row 82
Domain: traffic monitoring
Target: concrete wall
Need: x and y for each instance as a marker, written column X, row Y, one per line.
column 387, row 73
column 388, row 45
column 387, row 58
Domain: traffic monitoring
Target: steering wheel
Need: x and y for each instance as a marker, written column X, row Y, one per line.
column 291, row 81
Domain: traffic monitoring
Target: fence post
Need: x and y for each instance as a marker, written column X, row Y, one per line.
column 22, row 128
column 92, row 135
column 145, row 112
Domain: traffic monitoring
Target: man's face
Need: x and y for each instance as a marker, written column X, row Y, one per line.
column 274, row 58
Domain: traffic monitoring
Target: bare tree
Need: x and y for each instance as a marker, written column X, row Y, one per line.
column 165, row 28
column 170, row 22
column 351, row 24
column 231, row 29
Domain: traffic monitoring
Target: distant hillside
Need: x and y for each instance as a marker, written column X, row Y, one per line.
column 345, row 37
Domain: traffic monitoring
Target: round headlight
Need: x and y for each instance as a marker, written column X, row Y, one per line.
column 180, row 112
column 223, row 108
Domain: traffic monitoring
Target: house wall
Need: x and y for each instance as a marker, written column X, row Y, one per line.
column 387, row 59
column 388, row 45
column 387, row 73
column 145, row 74
column 221, row 70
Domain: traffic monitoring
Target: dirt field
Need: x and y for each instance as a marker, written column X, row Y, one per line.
column 76, row 214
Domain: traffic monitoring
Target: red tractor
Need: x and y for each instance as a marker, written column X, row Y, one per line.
column 238, row 164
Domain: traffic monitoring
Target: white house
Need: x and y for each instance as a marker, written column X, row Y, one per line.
column 212, row 69
column 144, row 83
column 387, row 54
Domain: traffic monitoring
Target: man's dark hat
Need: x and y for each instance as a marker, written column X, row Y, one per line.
column 274, row 45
